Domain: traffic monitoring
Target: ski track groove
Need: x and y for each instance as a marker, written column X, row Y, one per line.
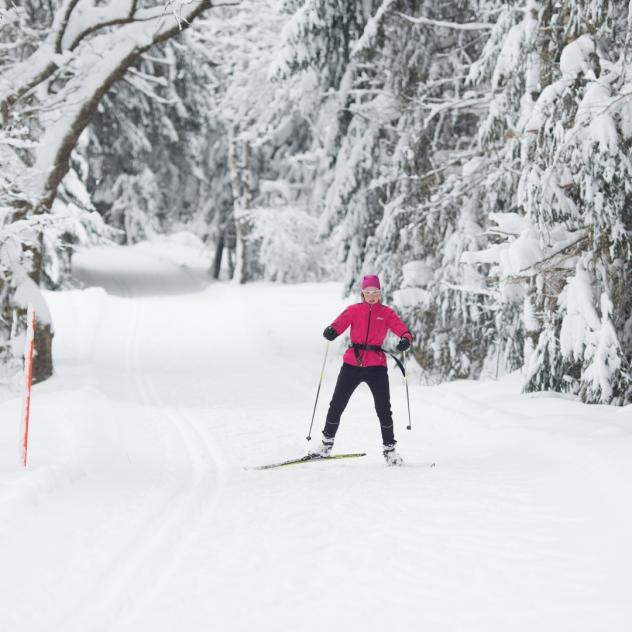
column 151, row 555
column 142, row 566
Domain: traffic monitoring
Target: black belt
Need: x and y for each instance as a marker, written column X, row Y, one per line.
column 357, row 347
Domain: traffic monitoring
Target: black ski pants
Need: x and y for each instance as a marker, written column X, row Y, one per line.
column 349, row 378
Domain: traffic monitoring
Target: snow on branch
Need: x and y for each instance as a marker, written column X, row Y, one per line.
column 371, row 29
column 470, row 290
column 141, row 82
column 87, row 19
column 559, row 253
column 77, row 20
column 460, row 26
column 104, row 59
column 8, row 16
column 523, row 254
column 456, row 104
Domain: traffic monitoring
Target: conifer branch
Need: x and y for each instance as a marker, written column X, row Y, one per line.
column 460, row 26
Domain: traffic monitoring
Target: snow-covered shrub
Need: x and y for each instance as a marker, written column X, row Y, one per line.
column 592, row 342
column 136, row 205
column 287, row 245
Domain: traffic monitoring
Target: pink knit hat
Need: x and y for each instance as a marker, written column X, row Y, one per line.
column 370, row 280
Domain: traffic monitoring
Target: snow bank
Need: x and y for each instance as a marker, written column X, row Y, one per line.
column 136, row 512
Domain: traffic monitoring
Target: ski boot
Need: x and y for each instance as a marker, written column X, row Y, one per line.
column 391, row 455
column 324, row 449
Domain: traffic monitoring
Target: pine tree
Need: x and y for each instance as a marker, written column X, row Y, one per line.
column 573, row 191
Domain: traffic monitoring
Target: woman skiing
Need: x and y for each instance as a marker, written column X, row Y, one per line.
column 364, row 361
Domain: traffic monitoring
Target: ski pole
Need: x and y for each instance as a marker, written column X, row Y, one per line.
column 322, row 372
column 409, row 426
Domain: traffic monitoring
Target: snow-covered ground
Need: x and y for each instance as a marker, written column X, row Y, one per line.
column 137, row 511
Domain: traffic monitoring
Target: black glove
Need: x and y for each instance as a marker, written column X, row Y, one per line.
column 330, row 333
column 403, row 344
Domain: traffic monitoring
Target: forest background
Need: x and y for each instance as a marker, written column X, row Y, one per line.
column 475, row 154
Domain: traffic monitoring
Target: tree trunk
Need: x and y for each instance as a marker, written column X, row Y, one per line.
column 43, row 358
column 241, row 180
column 217, row 259
column 43, row 339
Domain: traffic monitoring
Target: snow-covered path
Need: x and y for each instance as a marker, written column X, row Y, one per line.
column 137, row 512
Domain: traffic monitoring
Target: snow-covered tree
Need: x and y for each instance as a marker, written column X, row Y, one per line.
column 572, row 233
column 487, row 144
column 51, row 85
column 270, row 156
column 415, row 202
column 162, row 124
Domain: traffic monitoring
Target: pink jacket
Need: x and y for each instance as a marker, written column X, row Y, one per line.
column 369, row 326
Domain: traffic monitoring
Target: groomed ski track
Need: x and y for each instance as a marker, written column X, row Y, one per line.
column 136, row 512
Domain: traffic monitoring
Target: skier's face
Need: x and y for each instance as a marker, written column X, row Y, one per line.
column 371, row 295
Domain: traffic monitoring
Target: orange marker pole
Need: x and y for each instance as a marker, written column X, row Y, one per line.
column 28, row 378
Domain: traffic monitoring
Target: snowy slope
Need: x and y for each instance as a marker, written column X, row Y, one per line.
column 137, row 512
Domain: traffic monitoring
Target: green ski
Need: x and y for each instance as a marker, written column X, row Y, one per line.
column 308, row 458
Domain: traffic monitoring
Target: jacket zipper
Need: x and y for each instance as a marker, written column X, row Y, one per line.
column 368, row 326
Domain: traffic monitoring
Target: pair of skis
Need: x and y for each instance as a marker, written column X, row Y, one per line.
column 309, row 458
